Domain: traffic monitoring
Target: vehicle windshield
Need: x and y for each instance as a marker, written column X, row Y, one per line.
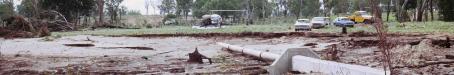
column 363, row 13
column 318, row 19
column 344, row 19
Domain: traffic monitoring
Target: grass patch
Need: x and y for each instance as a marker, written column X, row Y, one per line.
column 182, row 29
column 436, row 27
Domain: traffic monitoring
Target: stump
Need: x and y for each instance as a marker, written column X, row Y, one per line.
column 196, row 57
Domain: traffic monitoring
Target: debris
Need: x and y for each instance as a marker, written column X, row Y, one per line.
column 449, row 56
column 17, row 55
column 79, row 45
column 251, row 68
column 414, row 43
column 426, row 64
column 136, row 48
column 143, row 57
column 447, row 43
column 333, row 53
column 310, row 44
column 176, row 70
column 196, row 57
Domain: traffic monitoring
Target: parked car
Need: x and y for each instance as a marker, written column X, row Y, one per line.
column 303, row 24
column 343, row 21
column 361, row 17
column 320, row 22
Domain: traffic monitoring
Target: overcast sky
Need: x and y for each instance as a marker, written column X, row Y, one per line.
column 137, row 5
column 140, row 5
column 131, row 5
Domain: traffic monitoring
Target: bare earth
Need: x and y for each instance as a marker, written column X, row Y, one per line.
column 168, row 55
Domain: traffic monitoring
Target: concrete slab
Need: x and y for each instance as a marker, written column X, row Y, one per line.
column 311, row 65
column 283, row 64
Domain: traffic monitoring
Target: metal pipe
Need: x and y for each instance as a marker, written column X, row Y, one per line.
column 256, row 53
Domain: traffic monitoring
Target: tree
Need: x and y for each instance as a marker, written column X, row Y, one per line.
column 167, row 7
column 261, row 8
column 100, row 5
column 384, row 44
column 71, row 9
column 304, row 8
column 184, row 7
column 202, row 7
column 336, row 6
column 28, row 8
column 133, row 12
column 148, row 4
column 113, row 10
column 446, row 10
column 6, row 8
column 421, row 7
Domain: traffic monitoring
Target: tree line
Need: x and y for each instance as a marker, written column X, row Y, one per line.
column 77, row 10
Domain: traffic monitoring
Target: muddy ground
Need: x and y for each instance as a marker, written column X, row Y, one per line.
column 168, row 55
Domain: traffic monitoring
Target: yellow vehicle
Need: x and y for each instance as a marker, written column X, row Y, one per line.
column 361, row 17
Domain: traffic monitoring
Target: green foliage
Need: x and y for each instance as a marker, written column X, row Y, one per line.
column 26, row 8
column 183, row 7
column 261, row 8
column 169, row 17
column 446, row 10
column 134, row 12
column 338, row 6
column 167, row 6
column 304, row 7
column 6, row 8
column 71, row 9
column 202, row 7
column 113, row 9
column 171, row 29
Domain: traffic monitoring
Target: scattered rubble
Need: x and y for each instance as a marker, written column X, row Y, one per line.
column 80, row 45
column 310, row 44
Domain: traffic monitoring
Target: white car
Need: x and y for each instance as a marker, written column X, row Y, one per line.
column 303, row 24
column 320, row 22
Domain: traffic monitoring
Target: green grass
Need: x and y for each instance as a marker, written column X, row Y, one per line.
column 181, row 29
column 436, row 27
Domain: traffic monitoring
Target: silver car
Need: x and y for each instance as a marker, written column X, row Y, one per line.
column 320, row 22
column 303, row 24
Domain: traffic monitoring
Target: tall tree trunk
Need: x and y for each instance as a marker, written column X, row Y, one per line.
column 36, row 9
column 100, row 12
column 388, row 8
column 420, row 10
column 248, row 13
column 402, row 14
column 431, row 10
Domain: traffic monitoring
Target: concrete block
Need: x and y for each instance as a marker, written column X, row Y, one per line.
column 312, row 65
column 283, row 63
